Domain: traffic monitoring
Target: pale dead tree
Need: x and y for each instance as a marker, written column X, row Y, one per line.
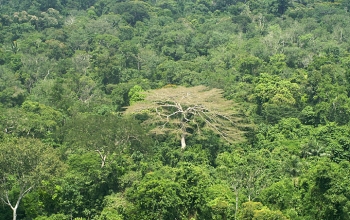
column 186, row 110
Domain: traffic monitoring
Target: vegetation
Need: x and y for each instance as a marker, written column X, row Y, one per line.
column 97, row 95
column 186, row 111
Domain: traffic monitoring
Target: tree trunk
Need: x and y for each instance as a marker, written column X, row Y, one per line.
column 103, row 158
column 14, row 211
column 183, row 142
column 236, row 202
column 7, row 201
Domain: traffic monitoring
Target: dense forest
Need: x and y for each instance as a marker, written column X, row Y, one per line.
column 173, row 109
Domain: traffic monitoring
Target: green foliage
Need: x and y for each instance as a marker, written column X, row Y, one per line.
column 32, row 119
column 221, row 202
column 53, row 217
column 281, row 195
column 25, row 164
column 256, row 211
column 12, row 92
column 69, row 69
column 327, row 188
column 132, row 11
column 157, row 197
column 84, row 132
column 135, row 94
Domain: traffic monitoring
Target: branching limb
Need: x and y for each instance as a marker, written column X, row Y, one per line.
column 103, row 158
column 190, row 107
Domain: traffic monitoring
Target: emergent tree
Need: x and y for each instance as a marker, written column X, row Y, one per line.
column 187, row 110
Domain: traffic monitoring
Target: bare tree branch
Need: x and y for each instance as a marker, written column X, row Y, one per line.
column 176, row 110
